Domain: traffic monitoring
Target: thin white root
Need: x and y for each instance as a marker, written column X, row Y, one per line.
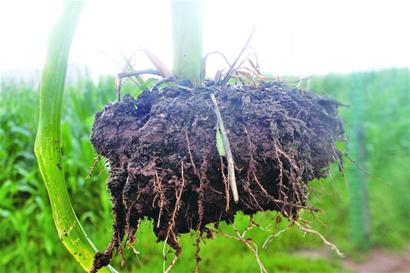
column 325, row 241
column 164, row 259
column 272, row 236
column 251, row 245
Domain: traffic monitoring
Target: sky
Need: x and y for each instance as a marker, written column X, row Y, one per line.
column 291, row 37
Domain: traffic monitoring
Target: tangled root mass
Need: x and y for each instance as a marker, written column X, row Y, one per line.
column 164, row 164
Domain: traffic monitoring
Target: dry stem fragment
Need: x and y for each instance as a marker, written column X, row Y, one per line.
column 227, row 147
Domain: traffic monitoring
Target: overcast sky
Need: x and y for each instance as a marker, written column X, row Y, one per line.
column 292, row 37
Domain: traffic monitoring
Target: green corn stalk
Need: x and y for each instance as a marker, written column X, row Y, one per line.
column 359, row 212
column 186, row 19
column 48, row 141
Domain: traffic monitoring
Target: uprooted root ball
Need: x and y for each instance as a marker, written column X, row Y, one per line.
column 165, row 165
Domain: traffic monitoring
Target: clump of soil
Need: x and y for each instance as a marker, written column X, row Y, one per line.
column 165, row 165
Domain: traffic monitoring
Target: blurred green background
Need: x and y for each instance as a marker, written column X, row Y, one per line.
column 366, row 211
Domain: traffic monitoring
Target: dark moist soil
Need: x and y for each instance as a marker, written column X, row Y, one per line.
column 161, row 148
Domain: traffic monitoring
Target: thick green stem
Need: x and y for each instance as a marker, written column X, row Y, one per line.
column 187, row 39
column 48, row 141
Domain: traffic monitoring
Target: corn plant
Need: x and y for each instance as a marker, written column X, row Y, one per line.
column 48, row 146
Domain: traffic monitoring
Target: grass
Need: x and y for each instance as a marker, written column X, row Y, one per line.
column 28, row 238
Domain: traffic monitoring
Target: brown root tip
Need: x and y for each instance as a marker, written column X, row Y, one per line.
column 100, row 260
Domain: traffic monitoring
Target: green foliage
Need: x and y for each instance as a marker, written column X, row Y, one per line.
column 386, row 111
column 219, row 142
column 356, row 175
column 29, row 242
